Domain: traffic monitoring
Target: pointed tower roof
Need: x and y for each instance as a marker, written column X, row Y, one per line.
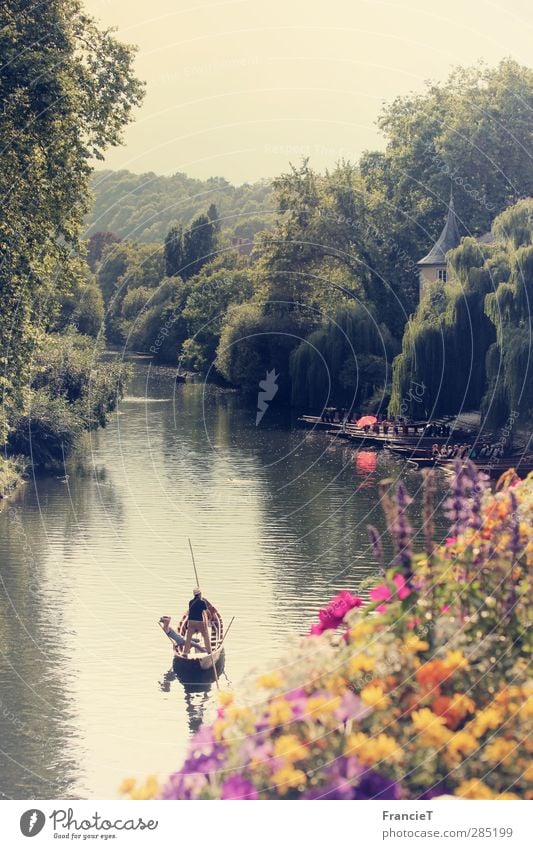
column 448, row 239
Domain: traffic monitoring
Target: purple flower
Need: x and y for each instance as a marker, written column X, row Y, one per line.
column 375, row 542
column 402, row 532
column 373, row 785
column 351, row 708
column 238, row 787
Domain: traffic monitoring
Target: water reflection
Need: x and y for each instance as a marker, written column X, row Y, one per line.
column 278, row 519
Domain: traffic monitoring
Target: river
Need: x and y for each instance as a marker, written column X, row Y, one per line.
column 277, row 516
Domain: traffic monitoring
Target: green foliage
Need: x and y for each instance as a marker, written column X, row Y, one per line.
column 174, row 251
column 66, row 89
column 12, row 470
column 253, row 342
column 71, row 391
column 82, row 307
column 96, row 244
column 343, row 362
column 469, row 341
column 144, row 207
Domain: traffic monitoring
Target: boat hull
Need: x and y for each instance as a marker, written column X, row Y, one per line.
column 199, row 670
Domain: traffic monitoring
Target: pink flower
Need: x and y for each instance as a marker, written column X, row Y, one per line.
column 381, row 593
column 413, row 623
column 331, row 616
column 402, row 588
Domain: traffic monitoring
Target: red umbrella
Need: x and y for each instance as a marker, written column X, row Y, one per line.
column 366, row 420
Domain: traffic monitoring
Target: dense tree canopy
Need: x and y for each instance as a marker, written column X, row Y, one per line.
column 66, row 89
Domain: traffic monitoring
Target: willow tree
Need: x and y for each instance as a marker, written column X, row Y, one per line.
column 343, row 361
column 469, row 343
column 67, row 89
column 509, row 366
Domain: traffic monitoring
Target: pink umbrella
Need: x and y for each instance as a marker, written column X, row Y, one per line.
column 366, row 420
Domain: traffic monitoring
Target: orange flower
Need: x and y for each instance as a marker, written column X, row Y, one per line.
column 432, row 674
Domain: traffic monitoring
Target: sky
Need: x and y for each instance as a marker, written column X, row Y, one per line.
column 240, row 88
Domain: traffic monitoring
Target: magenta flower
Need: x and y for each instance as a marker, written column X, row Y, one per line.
column 238, row 787
column 381, row 593
column 331, row 616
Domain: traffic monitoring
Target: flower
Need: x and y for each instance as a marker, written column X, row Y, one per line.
column 374, row 696
column 279, row 712
column 461, row 743
column 370, row 750
column 238, row 787
column 413, row 644
column 289, row 748
column 499, row 750
column 332, row 616
column 474, row 789
column 489, row 718
column 288, row 777
column 432, row 728
column 375, row 786
column 270, row 681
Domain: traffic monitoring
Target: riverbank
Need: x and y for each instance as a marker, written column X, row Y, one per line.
column 12, row 472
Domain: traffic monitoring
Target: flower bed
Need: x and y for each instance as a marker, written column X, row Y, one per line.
column 421, row 692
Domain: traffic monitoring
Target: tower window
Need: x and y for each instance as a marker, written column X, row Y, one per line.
column 442, row 275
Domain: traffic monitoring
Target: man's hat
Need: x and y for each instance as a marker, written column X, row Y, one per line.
column 197, row 591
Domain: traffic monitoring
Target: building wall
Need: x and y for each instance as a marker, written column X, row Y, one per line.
column 429, row 274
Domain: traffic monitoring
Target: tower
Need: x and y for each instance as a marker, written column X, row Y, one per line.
column 434, row 266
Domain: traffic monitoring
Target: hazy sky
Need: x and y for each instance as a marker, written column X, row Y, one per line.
column 238, row 88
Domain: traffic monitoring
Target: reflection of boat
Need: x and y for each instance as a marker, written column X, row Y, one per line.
column 198, row 665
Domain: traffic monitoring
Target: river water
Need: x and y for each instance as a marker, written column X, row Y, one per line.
column 277, row 516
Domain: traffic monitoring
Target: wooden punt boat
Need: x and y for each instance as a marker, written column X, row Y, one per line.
column 522, row 465
column 198, row 665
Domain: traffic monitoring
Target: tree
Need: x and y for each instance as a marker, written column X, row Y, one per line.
column 67, row 90
column 198, row 245
column 96, row 244
column 174, row 251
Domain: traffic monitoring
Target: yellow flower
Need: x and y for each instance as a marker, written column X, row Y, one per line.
column 127, row 786
column 225, row 697
column 462, row 743
column 279, row 712
column 289, row 747
column 361, row 630
column 361, row 663
column 288, row 777
column 412, row 644
column 455, row 660
column 432, row 728
column 528, row 774
column 462, row 704
column 526, row 709
column 146, row 791
column 474, row 789
column 499, row 750
column 337, row 685
column 354, row 742
column 507, row 796
column 370, row 750
column 322, row 705
column 374, row 696
column 489, row 718
column 235, row 713
column 270, row 681
column 219, row 726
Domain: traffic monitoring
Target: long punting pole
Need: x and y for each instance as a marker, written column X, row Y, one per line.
column 194, row 564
